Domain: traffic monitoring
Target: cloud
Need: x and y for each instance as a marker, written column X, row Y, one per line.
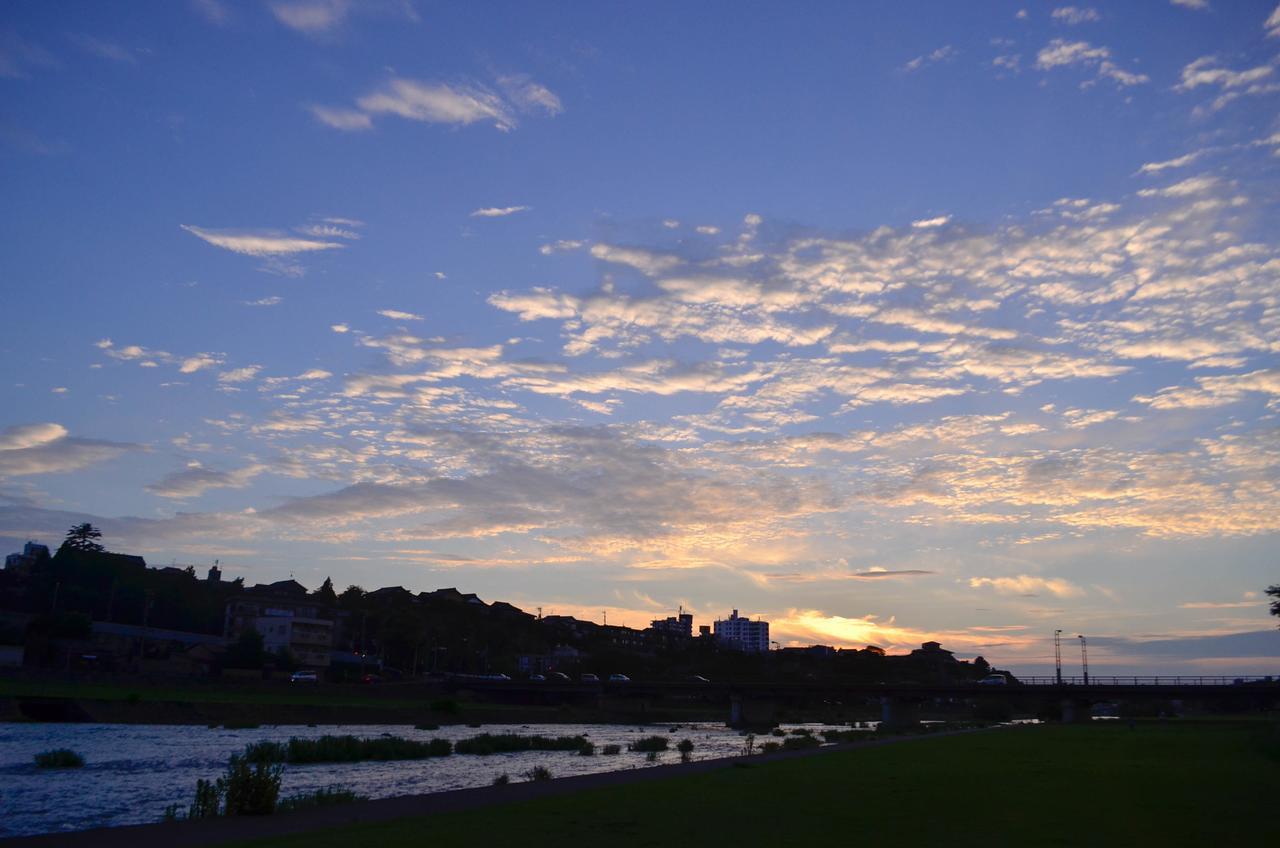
column 397, row 315
column 239, row 375
column 944, row 53
column 498, row 211
column 339, row 328
column 47, row 448
column 19, row 58
column 459, row 103
column 1199, row 5
column 1232, row 85
column 200, row 361
column 273, row 300
column 1060, row 53
column 311, row 17
column 1272, row 24
column 928, row 223
column 213, row 11
column 1178, row 162
column 1024, row 584
column 261, row 244
column 104, row 49
column 1075, row 15
column 195, row 480
column 351, row 120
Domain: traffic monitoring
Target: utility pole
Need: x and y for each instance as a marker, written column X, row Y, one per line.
column 1057, row 654
column 1084, row 658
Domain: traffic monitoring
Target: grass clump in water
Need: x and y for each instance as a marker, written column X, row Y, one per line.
column 345, row 749
column 503, row 743
column 649, row 744
column 59, row 758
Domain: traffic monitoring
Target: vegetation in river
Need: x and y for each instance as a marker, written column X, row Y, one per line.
column 59, row 758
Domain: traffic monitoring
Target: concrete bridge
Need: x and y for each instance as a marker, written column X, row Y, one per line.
column 900, row 704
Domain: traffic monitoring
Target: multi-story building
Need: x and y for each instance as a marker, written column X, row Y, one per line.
column 742, row 634
column 681, row 625
column 286, row 617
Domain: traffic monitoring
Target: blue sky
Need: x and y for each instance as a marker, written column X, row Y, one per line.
column 883, row 322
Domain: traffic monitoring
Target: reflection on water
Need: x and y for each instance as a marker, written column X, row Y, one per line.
column 132, row 772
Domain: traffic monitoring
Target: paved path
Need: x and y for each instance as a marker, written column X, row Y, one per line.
column 223, row 830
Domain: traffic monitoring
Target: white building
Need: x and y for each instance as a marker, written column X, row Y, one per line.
column 742, row 634
column 308, row 639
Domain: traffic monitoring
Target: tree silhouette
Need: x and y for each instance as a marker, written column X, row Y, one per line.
column 325, row 594
column 83, row 537
column 1274, row 591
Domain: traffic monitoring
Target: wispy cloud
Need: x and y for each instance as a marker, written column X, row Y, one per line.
column 1060, row 53
column 397, row 315
column 1075, row 15
column 944, row 53
column 498, row 211
column 459, row 103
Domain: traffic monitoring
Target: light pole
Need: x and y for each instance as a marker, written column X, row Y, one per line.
column 1084, row 658
column 1057, row 654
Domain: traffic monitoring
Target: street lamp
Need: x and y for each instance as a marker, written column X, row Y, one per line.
column 1057, row 654
column 1084, row 658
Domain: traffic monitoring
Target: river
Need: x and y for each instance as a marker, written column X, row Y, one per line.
column 133, row 772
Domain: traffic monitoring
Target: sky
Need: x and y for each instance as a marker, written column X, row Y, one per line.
column 884, row 322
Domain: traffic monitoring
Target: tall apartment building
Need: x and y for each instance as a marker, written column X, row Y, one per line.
column 742, row 634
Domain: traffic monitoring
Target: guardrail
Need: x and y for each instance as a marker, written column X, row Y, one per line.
column 1147, row 680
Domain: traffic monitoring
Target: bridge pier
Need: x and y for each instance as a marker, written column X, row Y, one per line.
column 1075, row 711
column 899, row 713
column 752, row 712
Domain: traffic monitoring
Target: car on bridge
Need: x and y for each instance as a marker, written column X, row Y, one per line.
column 589, row 678
column 619, row 678
column 994, row 680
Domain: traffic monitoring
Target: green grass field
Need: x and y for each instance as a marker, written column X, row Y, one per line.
column 1166, row 784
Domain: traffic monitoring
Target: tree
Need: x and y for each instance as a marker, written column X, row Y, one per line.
column 1274, row 591
column 247, row 651
column 83, row 537
column 325, row 593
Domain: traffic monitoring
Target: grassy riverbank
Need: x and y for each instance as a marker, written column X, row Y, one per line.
column 1167, row 784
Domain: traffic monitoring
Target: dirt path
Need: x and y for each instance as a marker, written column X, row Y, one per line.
column 223, row 830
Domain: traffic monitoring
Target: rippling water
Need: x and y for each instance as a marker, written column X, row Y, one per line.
column 132, row 772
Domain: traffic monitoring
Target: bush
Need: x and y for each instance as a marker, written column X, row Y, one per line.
column 329, row 796
column 799, row 743
column 611, row 750
column 649, row 744
column 778, row 731
column 59, row 758
column 844, row 735
column 686, row 750
column 538, row 773
column 770, row 747
column 345, row 749
column 503, row 743
column 250, row 791
column 502, row 779
column 588, row 749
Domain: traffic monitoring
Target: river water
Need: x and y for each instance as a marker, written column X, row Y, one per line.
column 132, row 772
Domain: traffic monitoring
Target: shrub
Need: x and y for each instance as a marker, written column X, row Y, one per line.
column 345, row 749
column 799, row 743
column 844, row 735
column 770, row 747
column 250, row 791
column 651, row 757
column 59, row 758
column 329, row 796
column 649, row 744
column 502, row 779
column 778, row 731
column 538, row 773
column 686, row 750
column 611, row 750
column 588, row 749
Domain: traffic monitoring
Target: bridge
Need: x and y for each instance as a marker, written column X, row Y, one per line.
column 757, row 703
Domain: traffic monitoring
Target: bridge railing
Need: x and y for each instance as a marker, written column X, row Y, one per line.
column 1148, row 680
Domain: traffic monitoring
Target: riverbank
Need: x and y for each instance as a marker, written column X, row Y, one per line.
column 220, row 831
column 1161, row 783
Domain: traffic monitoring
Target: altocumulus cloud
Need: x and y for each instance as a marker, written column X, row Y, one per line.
column 48, row 449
